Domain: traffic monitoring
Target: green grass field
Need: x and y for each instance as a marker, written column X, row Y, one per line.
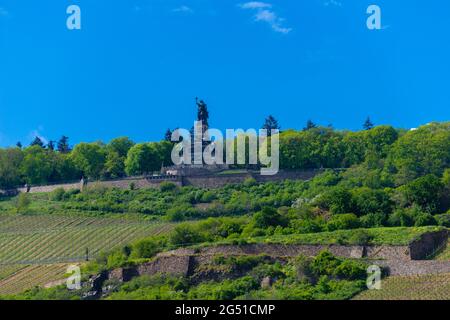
column 46, row 239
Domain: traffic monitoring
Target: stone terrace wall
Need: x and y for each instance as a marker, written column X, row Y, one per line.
column 428, row 244
column 200, row 181
column 414, row 268
column 399, row 260
column 220, row 180
column 139, row 182
column 278, row 250
column 50, row 188
column 217, row 181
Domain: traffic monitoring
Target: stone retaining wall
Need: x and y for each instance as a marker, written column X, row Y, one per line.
column 414, row 268
column 293, row 250
column 398, row 259
column 200, row 181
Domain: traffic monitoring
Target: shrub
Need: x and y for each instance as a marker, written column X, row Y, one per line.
column 249, row 182
column 424, row 219
column 268, row 217
column 324, row 263
column 360, row 237
column 23, row 202
column 443, row 219
column 185, row 234
column 57, row 194
column 342, row 222
column 71, row 192
column 401, row 217
column 338, row 200
column 350, row 269
column 373, row 220
column 167, row 186
column 305, row 272
column 146, row 248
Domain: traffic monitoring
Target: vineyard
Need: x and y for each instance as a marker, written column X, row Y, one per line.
column 426, row 287
column 26, row 277
column 45, row 239
column 35, row 250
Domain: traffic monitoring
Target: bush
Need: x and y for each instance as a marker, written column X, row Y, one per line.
column 360, row 237
column 338, row 200
column 23, row 202
column 146, row 248
column 250, row 182
column 185, row 234
column 167, row 186
column 373, row 220
column 268, row 217
column 350, row 269
column 342, row 222
column 324, row 263
column 424, row 219
column 443, row 220
column 57, row 194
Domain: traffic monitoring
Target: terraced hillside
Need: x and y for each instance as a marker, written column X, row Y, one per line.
column 427, row 287
column 46, row 239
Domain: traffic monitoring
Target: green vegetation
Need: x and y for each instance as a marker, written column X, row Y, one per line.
column 383, row 186
column 391, row 157
column 322, row 277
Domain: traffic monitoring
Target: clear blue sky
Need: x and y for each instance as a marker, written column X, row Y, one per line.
column 136, row 66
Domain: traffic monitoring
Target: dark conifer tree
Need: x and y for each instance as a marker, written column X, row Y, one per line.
column 37, row 142
column 270, row 124
column 63, row 145
column 168, row 135
column 51, row 145
column 19, row 145
column 309, row 125
column 368, row 124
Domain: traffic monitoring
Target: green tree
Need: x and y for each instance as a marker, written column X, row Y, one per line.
column 270, row 124
column 90, row 159
column 142, row 158
column 426, row 191
column 121, row 146
column 420, row 152
column 36, row 166
column 368, row 124
column 10, row 162
column 37, row 142
column 63, row 145
column 309, row 125
column 268, row 217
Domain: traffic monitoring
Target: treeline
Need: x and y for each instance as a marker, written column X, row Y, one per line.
column 393, row 156
column 39, row 164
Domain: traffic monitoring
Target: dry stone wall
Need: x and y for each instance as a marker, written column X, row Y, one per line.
column 200, row 181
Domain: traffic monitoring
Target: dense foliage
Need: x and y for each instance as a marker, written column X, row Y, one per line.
column 394, row 157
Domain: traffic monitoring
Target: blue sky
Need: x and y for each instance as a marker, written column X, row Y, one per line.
column 136, row 66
